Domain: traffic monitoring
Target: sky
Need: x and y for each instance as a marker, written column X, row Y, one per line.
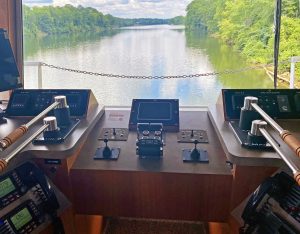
column 125, row 8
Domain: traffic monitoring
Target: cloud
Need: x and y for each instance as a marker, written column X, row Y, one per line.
column 38, row 2
column 126, row 8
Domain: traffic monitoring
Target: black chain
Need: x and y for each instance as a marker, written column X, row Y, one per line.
column 207, row 74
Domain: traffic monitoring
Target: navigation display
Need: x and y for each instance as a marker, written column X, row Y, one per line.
column 21, row 218
column 164, row 111
column 6, row 186
column 154, row 111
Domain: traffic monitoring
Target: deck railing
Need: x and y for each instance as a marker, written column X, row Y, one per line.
column 40, row 64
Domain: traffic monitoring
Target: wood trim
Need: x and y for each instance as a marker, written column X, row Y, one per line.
column 19, row 38
column 90, row 224
column 246, row 179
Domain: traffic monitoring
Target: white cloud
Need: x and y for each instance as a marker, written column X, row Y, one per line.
column 127, row 8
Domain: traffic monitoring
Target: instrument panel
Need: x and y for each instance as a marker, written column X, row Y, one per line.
column 31, row 102
column 278, row 103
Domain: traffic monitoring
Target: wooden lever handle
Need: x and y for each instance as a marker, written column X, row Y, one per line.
column 3, row 165
column 291, row 141
column 297, row 177
column 13, row 137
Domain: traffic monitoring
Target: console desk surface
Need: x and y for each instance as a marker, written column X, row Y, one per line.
column 165, row 188
column 242, row 156
column 59, row 151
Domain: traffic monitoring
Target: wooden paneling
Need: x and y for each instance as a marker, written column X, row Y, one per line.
column 152, row 195
column 245, row 181
column 4, row 14
column 89, row 224
column 11, row 20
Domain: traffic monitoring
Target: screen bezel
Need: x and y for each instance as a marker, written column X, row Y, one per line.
column 14, row 189
column 171, row 124
column 23, row 224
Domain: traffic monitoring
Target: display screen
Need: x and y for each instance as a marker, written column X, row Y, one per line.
column 283, row 103
column 6, row 186
column 21, row 218
column 154, row 111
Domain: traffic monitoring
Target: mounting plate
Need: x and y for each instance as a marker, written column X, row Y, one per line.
column 242, row 137
column 115, row 152
column 121, row 134
column 186, row 136
column 203, row 158
column 63, row 134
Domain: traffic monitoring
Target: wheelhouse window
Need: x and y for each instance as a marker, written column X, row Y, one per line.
column 187, row 49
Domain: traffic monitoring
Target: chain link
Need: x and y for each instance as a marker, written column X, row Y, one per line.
column 207, row 74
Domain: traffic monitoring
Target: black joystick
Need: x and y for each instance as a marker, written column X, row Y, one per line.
column 195, row 152
column 106, row 151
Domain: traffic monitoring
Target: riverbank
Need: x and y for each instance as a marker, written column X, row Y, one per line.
column 283, row 79
column 247, row 26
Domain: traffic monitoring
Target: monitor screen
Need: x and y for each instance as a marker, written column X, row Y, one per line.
column 148, row 111
column 9, row 74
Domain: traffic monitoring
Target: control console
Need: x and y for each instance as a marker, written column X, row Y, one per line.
column 245, row 121
column 278, row 103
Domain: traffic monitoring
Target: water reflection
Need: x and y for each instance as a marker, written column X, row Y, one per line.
column 159, row 50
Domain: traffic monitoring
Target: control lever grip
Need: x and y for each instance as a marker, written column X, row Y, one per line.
column 13, row 137
column 291, row 141
column 3, row 165
column 297, row 177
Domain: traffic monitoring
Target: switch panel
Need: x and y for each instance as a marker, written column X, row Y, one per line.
column 278, row 103
column 30, row 102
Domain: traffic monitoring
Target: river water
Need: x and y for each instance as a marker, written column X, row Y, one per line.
column 145, row 50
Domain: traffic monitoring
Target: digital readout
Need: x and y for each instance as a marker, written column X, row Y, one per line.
column 6, row 186
column 21, row 218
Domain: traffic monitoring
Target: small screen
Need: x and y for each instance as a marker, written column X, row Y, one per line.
column 21, row 218
column 154, row 111
column 283, row 103
column 6, row 186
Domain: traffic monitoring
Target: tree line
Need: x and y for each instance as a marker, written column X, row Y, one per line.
column 248, row 26
column 70, row 19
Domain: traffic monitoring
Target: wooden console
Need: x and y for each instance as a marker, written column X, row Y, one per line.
column 167, row 188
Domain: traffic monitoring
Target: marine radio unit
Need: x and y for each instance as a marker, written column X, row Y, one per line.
column 28, row 202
